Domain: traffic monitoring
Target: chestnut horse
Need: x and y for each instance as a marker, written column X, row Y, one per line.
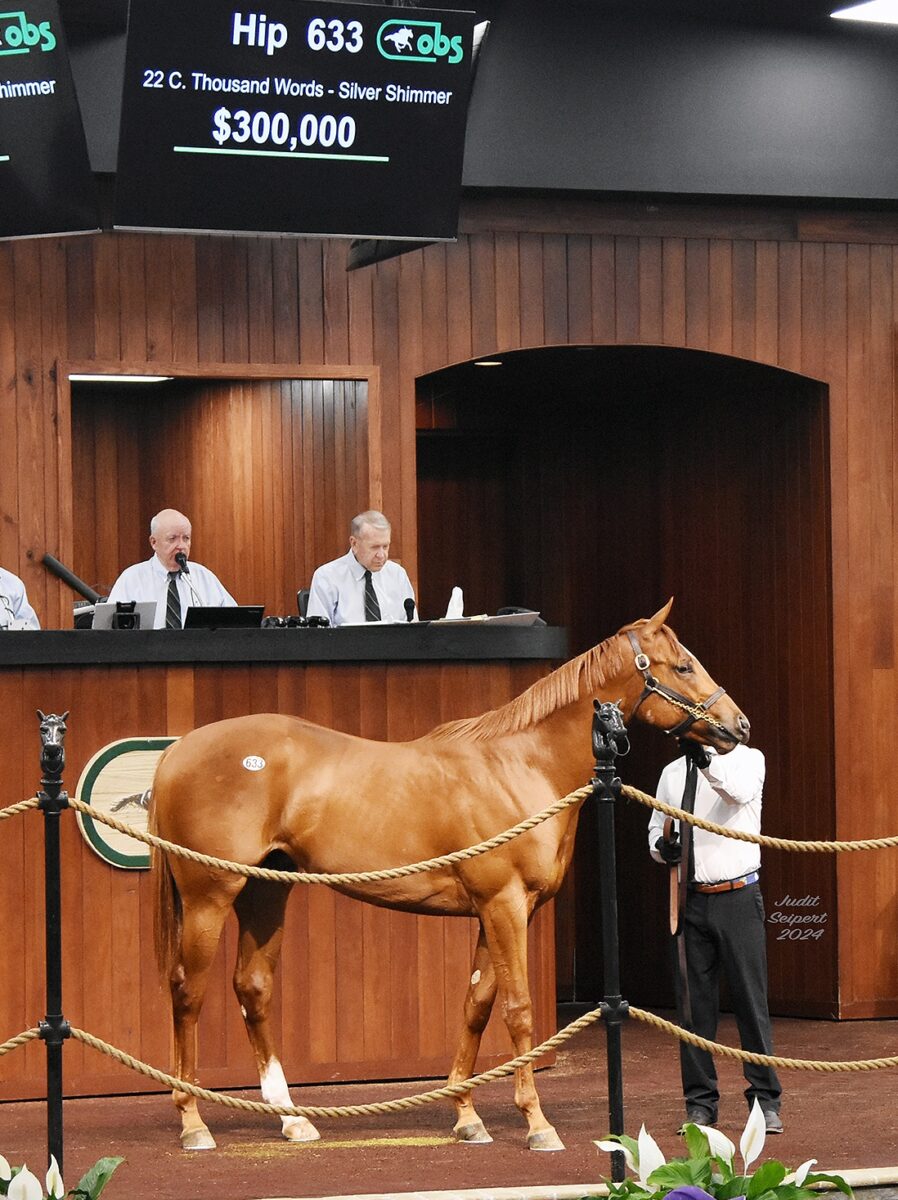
column 244, row 788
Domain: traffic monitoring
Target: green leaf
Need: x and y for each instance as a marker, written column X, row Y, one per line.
column 768, row 1176
column 696, row 1141
column 94, row 1181
column 682, row 1171
column 628, row 1189
column 729, row 1188
column 836, row 1180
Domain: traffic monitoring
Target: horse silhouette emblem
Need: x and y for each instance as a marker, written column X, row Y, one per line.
column 401, row 39
column 335, row 803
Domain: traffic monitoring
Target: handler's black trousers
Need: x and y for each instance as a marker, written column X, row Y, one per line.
column 725, row 933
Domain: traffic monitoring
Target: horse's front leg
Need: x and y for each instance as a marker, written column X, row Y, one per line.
column 478, row 1006
column 260, row 911
column 505, row 918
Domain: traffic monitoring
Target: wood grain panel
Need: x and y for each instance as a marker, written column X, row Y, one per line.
column 813, row 292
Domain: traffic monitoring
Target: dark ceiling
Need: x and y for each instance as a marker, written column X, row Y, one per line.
column 100, row 17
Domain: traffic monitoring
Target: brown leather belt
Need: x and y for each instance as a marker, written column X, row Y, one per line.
column 727, row 885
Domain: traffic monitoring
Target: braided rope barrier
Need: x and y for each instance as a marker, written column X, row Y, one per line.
column 764, row 1060
column 430, row 864
column 505, row 1069
column 348, row 1110
column 20, row 1040
column 377, row 1108
column 22, row 806
column 761, row 839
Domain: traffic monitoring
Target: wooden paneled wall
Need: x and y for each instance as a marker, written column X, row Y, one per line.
column 270, row 472
column 813, row 293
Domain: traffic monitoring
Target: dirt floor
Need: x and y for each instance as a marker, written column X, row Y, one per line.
column 844, row 1120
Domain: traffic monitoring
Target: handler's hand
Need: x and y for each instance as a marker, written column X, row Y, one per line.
column 693, row 752
column 670, row 850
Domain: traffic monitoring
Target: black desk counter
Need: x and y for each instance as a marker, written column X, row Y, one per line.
column 417, row 642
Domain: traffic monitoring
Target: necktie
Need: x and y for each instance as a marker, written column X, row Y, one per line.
column 372, row 608
column 173, row 602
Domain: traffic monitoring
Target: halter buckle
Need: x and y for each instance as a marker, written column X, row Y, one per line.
column 642, row 662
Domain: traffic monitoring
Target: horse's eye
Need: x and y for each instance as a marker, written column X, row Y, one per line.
column 684, row 668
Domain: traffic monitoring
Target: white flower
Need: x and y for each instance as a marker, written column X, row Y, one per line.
column 25, row 1187
column 719, row 1144
column 650, row 1156
column 55, row 1186
column 801, row 1174
column 5, row 1169
column 617, row 1148
column 753, row 1136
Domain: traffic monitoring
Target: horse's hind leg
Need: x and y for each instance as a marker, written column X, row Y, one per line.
column 478, row 1006
column 202, row 925
column 504, row 921
column 260, row 911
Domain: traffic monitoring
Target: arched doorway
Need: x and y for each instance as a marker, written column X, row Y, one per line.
column 593, row 483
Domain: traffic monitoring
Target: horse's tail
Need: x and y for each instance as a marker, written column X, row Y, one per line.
column 167, row 911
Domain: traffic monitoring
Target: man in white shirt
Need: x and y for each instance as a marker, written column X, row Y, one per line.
column 363, row 585
column 723, row 920
column 15, row 611
column 166, row 577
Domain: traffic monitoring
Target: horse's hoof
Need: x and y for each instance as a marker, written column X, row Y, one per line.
column 197, row 1139
column 299, row 1129
column 474, row 1134
column 544, row 1139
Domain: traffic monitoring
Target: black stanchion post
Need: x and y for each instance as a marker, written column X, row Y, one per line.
column 54, row 1029
column 609, row 738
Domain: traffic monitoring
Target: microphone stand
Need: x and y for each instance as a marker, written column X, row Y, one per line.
column 181, row 560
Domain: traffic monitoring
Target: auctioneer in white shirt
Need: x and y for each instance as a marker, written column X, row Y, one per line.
column 149, row 581
column 337, row 591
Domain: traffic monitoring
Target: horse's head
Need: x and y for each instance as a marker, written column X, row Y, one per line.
column 671, row 689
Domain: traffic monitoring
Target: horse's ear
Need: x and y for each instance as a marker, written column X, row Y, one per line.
column 653, row 624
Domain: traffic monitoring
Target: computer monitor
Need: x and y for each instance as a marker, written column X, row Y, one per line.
column 239, row 616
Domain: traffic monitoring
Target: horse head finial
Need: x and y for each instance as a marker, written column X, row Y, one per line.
column 52, row 729
column 609, row 733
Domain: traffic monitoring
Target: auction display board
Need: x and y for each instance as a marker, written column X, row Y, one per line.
column 306, row 118
column 45, row 181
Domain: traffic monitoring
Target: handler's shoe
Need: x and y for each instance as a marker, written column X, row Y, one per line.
column 696, row 1115
column 772, row 1121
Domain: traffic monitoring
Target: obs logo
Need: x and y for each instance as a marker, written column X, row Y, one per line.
column 18, row 35
column 418, row 41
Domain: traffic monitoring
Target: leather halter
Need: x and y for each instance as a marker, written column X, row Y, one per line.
column 694, row 712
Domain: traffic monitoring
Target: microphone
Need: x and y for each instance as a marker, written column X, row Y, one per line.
column 181, row 560
column 409, row 605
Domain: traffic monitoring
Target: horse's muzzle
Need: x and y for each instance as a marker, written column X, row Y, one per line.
column 737, row 735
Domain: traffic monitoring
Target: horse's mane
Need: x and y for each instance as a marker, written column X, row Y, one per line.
column 591, row 669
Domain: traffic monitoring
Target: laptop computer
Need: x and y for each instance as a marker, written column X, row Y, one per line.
column 239, row 616
column 104, row 612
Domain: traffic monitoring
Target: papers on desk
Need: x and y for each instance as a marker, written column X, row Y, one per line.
column 521, row 618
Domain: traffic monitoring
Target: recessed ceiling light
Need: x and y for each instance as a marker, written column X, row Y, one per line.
column 120, row 378
column 884, row 12
column 488, row 362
